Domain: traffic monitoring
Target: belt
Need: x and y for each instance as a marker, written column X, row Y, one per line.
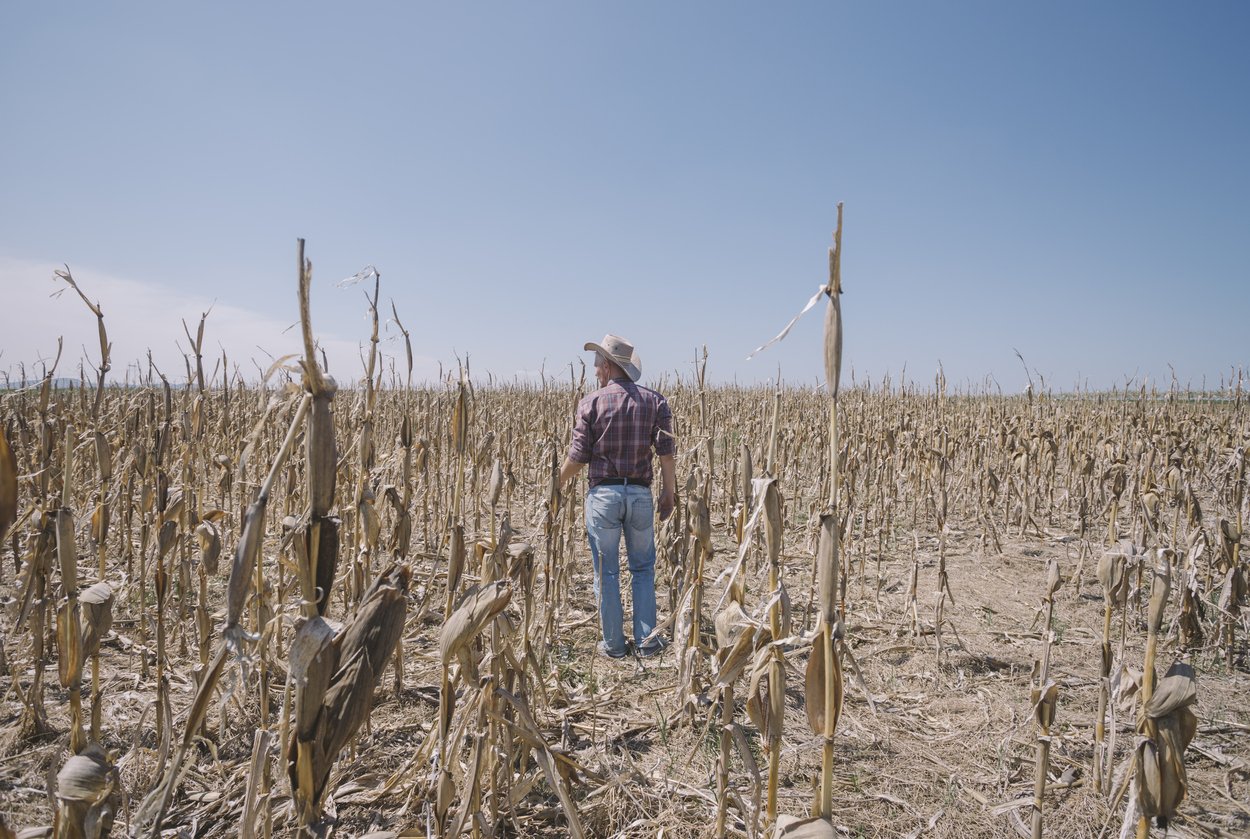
column 616, row 482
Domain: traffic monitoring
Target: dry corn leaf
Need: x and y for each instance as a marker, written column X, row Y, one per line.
column 471, row 615
column 730, row 623
column 1178, row 689
column 734, row 660
column 757, row 690
column 245, row 553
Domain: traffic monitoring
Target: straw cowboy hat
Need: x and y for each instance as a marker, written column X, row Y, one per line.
column 622, row 352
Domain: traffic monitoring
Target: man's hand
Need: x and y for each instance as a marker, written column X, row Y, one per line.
column 668, row 485
column 568, row 471
column 668, row 500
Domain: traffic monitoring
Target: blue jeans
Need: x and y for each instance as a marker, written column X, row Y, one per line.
column 611, row 511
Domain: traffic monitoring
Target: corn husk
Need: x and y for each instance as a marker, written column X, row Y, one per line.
column 323, row 728
column 772, row 522
column 460, row 421
column 370, row 522
column 87, row 794
column 174, row 508
column 66, row 550
column 1053, row 579
column 833, row 325
column 745, row 474
column 1111, row 573
column 813, row 827
column 167, row 537
column 321, row 450
column 327, row 559
column 1159, row 592
column 8, row 485
column 700, row 521
column 495, row 487
column 1044, row 700
column 96, row 603
column 69, row 645
column 313, row 660
column 827, row 566
column 209, row 539
column 100, row 519
column 1167, row 727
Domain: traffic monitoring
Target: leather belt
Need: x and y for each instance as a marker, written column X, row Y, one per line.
column 616, row 482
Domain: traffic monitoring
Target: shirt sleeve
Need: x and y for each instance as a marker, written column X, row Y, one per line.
column 665, row 443
column 579, row 448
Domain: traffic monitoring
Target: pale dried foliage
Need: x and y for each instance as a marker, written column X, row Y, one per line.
column 820, row 664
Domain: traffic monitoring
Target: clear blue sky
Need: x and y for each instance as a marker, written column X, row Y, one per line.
column 1068, row 179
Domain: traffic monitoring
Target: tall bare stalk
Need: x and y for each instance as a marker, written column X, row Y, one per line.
column 1044, row 698
column 825, row 650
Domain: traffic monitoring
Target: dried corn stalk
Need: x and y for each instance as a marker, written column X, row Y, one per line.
column 475, row 611
column 827, row 669
column 1044, row 698
column 1155, row 796
column 1113, row 575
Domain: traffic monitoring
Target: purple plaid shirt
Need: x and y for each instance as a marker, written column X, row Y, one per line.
column 615, row 429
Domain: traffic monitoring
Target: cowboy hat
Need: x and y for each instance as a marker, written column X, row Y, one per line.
column 620, row 351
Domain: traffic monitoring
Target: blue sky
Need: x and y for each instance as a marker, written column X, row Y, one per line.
column 1066, row 179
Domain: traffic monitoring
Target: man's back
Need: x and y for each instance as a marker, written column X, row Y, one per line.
column 616, row 428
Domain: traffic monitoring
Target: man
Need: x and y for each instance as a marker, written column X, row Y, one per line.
column 615, row 430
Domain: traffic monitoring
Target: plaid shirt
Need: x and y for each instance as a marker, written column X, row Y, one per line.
column 615, row 429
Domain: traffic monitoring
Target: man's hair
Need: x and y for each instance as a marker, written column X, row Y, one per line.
column 600, row 358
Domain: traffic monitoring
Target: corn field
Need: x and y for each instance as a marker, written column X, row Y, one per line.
column 333, row 603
